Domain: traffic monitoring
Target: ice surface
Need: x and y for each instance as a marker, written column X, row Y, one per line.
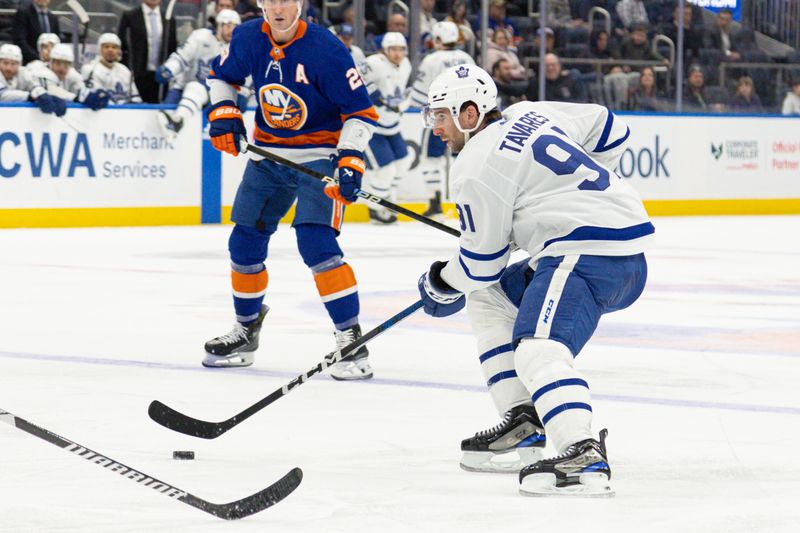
column 697, row 383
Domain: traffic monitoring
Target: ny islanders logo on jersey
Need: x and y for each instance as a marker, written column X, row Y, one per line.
column 281, row 108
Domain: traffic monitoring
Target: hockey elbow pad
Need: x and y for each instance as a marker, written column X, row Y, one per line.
column 226, row 127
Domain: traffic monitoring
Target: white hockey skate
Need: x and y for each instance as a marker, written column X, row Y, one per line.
column 355, row 366
column 581, row 471
column 518, row 440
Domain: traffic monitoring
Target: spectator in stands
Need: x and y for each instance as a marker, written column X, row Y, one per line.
column 397, row 22
column 693, row 32
column 746, row 99
column 29, row 23
column 498, row 19
column 791, row 103
column 144, row 46
column 458, row 15
column 561, row 86
column 549, row 41
column 723, row 37
column 600, row 48
column 637, row 46
column 694, row 97
column 500, row 48
column 559, row 15
column 632, row 12
column 646, row 97
column 248, row 9
column 509, row 90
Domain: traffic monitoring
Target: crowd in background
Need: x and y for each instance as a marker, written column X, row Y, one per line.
column 630, row 67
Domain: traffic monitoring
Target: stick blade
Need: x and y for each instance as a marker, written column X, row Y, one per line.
column 252, row 504
column 176, row 421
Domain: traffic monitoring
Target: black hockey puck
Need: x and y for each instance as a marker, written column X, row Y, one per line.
column 183, row 455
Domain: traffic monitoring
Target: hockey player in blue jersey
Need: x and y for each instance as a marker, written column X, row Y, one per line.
column 312, row 108
column 540, row 175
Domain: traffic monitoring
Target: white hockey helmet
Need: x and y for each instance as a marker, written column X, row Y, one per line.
column 393, row 38
column 458, row 85
column 228, row 16
column 11, row 52
column 446, row 31
column 62, row 52
column 109, row 38
column 47, row 38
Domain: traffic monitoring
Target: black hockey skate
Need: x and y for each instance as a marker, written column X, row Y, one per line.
column 170, row 126
column 582, row 470
column 434, row 207
column 382, row 216
column 355, row 366
column 507, row 447
column 236, row 348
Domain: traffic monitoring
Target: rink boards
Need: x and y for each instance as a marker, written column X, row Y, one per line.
column 114, row 168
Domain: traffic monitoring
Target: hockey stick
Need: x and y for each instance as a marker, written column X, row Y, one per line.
column 361, row 193
column 229, row 511
column 165, row 43
column 176, row 421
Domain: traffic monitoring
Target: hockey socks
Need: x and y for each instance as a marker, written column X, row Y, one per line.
column 249, row 284
column 338, row 290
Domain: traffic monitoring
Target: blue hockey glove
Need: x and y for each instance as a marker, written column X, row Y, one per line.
column 226, row 127
column 45, row 102
column 163, row 75
column 438, row 298
column 97, row 99
column 350, row 168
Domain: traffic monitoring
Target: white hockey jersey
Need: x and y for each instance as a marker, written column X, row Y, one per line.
column 70, row 88
column 18, row 88
column 431, row 66
column 543, row 178
column 192, row 61
column 117, row 80
column 388, row 83
column 359, row 58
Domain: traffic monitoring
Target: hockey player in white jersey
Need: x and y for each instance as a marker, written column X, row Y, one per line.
column 387, row 75
column 60, row 79
column 539, row 177
column 433, row 156
column 44, row 44
column 107, row 72
column 189, row 67
column 17, row 85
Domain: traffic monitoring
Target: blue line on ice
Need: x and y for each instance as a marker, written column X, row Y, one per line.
column 672, row 402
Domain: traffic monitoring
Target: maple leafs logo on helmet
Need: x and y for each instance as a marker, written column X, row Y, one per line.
column 462, row 71
column 457, row 86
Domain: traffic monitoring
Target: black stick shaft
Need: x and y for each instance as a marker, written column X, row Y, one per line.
column 361, row 193
column 232, row 511
column 177, row 421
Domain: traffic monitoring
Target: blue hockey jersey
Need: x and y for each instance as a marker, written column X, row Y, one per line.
column 305, row 89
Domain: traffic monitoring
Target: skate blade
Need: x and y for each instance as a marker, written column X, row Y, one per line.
column 349, row 371
column 230, row 361
column 510, row 462
column 592, row 485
